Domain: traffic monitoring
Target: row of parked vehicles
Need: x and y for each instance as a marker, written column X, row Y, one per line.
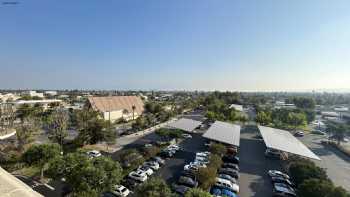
column 188, row 179
column 282, row 185
column 142, row 173
column 227, row 179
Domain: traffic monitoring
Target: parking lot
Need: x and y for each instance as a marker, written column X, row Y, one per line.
column 336, row 163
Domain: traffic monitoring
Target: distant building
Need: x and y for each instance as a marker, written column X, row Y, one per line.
column 236, row 107
column 34, row 94
column 51, row 93
column 341, row 109
column 116, row 107
column 45, row 103
column 282, row 104
column 8, row 97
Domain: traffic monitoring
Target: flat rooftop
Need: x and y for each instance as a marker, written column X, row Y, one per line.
column 284, row 141
column 185, row 124
column 224, row 132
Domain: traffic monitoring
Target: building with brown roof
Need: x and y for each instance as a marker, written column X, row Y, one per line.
column 116, row 107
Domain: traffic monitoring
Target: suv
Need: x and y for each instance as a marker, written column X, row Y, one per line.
column 282, row 180
column 223, row 183
column 276, row 173
column 94, row 154
column 187, row 181
column 138, row 175
column 280, row 189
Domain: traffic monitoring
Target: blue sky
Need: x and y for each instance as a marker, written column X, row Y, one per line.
column 245, row 45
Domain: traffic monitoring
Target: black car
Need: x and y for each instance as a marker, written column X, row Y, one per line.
column 230, row 172
column 187, row 181
column 189, row 173
column 275, row 179
column 181, row 189
column 230, row 159
column 230, row 165
column 166, row 154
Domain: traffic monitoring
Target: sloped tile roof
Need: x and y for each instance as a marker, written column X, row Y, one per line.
column 114, row 103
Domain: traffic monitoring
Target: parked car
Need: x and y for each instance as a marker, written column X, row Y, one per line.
column 187, row 181
column 167, row 154
column 148, row 145
column 230, row 172
column 230, row 165
column 152, row 164
column 203, row 154
column 228, row 177
column 189, row 173
column 299, row 134
column 226, row 184
column 201, row 160
column 272, row 153
column 190, row 167
column 94, row 153
column 174, row 147
column 230, row 159
column 280, row 189
column 218, row 191
column 159, row 160
column 274, row 173
column 275, row 179
column 121, row 191
column 148, row 170
column 181, row 189
column 138, row 175
column 185, row 135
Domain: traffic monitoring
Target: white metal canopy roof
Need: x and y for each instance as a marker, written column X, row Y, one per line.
column 10, row 186
column 283, row 140
column 224, row 132
column 185, row 124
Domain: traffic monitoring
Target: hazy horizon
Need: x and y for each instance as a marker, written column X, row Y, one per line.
column 288, row 46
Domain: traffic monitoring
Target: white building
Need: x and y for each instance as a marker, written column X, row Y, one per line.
column 116, row 107
column 33, row 93
column 8, row 97
column 51, row 93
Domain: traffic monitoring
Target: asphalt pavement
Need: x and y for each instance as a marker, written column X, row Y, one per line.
column 336, row 163
column 254, row 181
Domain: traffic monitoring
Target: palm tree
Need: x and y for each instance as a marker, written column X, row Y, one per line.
column 125, row 111
column 133, row 112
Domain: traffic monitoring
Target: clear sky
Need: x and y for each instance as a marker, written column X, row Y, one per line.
column 246, row 45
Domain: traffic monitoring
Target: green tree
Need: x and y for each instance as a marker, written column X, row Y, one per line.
column 206, row 177
column 215, row 161
column 197, row 192
column 25, row 132
column 315, row 188
column 40, row 155
column 305, row 169
column 296, row 119
column 155, row 187
column 263, row 118
column 217, row 148
column 84, row 175
column 91, row 128
column 57, row 126
column 133, row 107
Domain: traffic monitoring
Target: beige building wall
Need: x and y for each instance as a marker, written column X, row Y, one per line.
column 116, row 115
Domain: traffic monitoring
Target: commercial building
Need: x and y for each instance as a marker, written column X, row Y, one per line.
column 117, row 107
column 33, row 94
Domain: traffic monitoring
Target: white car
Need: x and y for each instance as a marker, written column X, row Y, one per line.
column 226, row 183
column 346, row 140
column 152, row 164
column 273, row 173
column 138, row 175
column 186, row 135
column 121, row 191
column 201, row 160
column 148, row 170
column 203, row 154
column 194, row 165
column 94, row 154
column 173, row 147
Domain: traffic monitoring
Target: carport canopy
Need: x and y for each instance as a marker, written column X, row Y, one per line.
column 224, row 132
column 284, row 141
column 185, row 124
